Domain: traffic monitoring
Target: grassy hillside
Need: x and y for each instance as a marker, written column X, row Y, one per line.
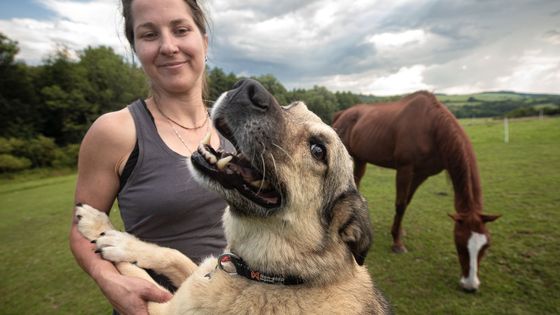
column 519, row 276
column 482, row 97
column 490, row 104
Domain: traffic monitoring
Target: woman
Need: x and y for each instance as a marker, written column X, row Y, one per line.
column 138, row 155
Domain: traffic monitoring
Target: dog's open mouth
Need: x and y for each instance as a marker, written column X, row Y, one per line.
column 235, row 172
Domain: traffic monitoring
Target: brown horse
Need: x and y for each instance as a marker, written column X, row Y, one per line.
column 419, row 138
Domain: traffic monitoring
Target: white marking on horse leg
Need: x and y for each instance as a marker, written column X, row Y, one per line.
column 476, row 242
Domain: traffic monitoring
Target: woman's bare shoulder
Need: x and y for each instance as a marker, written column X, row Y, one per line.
column 115, row 129
column 109, row 141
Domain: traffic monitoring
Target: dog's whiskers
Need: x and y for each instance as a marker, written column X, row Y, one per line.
column 285, row 152
column 276, row 173
column 263, row 171
column 274, row 164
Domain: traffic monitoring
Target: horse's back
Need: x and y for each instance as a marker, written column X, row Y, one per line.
column 366, row 132
column 392, row 133
column 414, row 129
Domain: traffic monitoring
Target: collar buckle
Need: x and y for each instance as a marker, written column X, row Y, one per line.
column 228, row 258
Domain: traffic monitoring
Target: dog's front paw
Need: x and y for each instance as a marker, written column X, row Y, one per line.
column 119, row 246
column 92, row 222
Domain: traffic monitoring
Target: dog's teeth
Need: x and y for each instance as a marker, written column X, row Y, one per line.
column 201, row 148
column 260, row 184
column 223, row 162
column 206, row 139
column 210, row 157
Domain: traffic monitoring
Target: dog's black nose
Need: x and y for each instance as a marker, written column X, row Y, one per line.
column 251, row 92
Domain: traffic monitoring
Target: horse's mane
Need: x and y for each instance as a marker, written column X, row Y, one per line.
column 457, row 153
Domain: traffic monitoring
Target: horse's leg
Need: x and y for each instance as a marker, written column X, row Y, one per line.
column 404, row 180
column 359, row 171
column 417, row 180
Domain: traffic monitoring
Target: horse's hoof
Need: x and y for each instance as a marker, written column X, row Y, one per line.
column 399, row 249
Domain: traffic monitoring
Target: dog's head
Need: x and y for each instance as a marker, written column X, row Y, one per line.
column 291, row 174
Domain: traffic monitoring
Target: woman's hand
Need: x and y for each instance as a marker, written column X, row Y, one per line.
column 129, row 295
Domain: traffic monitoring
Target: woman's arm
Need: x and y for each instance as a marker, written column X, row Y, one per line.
column 103, row 152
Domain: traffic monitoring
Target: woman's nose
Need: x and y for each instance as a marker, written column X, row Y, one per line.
column 168, row 46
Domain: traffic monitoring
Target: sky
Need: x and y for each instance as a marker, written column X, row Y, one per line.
column 380, row 47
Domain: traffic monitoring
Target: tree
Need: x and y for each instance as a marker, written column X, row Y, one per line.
column 319, row 100
column 112, row 83
column 61, row 85
column 218, row 83
column 74, row 94
column 346, row 99
column 8, row 50
column 18, row 117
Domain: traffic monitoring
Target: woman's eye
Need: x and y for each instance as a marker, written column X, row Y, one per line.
column 182, row 31
column 318, row 151
column 150, row 35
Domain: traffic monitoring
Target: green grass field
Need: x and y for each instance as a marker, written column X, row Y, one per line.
column 486, row 97
column 520, row 274
column 479, row 99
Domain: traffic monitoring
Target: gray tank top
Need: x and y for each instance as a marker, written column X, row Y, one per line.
column 160, row 201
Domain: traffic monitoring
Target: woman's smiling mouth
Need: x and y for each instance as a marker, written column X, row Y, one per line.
column 172, row 65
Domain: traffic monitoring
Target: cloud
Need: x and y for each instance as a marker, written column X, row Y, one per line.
column 74, row 25
column 394, row 41
column 535, row 71
column 372, row 83
column 552, row 37
column 366, row 46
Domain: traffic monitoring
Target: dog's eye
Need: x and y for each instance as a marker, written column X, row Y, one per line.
column 318, row 151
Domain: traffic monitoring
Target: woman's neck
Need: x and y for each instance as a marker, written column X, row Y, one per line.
column 186, row 109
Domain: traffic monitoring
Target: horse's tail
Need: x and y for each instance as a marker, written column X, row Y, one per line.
column 457, row 154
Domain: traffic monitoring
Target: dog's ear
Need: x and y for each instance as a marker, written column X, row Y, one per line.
column 350, row 213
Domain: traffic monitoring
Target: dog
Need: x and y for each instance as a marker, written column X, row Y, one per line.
column 297, row 229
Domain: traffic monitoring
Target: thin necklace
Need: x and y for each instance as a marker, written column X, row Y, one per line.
column 206, row 119
column 171, row 122
column 181, row 138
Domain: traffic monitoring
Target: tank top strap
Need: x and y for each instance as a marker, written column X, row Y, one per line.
column 144, row 122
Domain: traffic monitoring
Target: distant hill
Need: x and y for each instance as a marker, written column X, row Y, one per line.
column 490, row 104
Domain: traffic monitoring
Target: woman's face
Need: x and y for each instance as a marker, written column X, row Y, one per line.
column 169, row 45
